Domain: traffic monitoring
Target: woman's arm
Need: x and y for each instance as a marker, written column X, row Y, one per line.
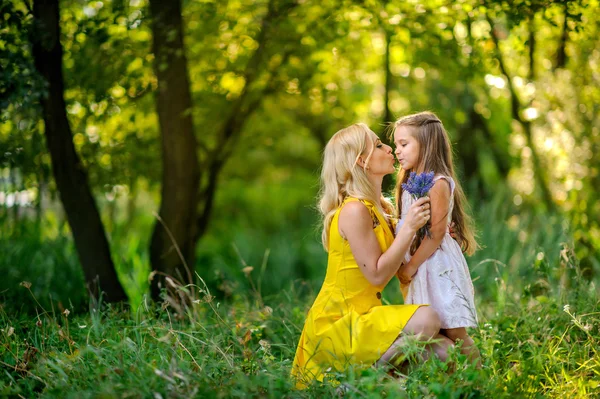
column 356, row 225
column 440, row 203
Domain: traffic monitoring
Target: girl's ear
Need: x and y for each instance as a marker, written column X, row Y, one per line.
column 360, row 162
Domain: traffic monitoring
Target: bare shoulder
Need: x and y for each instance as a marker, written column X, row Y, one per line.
column 441, row 189
column 354, row 216
column 354, row 210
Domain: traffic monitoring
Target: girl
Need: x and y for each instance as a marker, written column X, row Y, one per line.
column 347, row 324
column 435, row 270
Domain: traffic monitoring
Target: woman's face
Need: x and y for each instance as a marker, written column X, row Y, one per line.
column 382, row 159
column 407, row 147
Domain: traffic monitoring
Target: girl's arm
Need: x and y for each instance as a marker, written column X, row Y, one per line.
column 440, row 203
column 356, row 225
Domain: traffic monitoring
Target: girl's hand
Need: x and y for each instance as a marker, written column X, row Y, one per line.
column 418, row 214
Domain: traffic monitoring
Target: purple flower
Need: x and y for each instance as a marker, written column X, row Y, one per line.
column 418, row 185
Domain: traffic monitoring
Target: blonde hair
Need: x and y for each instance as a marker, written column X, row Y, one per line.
column 342, row 178
column 435, row 154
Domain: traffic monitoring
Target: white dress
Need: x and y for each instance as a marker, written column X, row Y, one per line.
column 443, row 280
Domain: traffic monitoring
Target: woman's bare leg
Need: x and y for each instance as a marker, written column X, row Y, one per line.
column 422, row 326
column 468, row 345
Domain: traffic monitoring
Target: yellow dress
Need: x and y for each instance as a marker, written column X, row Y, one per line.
column 347, row 324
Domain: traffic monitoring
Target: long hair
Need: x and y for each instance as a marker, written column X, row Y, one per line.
column 342, row 177
column 435, row 154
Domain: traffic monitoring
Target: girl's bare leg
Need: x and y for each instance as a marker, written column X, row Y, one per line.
column 423, row 325
column 468, row 345
column 440, row 348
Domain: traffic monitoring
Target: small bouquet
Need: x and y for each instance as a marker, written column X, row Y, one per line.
column 418, row 185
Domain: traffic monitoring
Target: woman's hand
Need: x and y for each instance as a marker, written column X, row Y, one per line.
column 418, row 214
column 453, row 233
column 406, row 273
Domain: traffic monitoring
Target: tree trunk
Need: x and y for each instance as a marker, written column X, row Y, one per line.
column 131, row 203
column 387, row 116
column 388, row 180
column 561, row 55
column 531, row 42
column 42, row 174
column 12, row 178
column 69, row 174
column 501, row 155
column 189, row 186
column 172, row 248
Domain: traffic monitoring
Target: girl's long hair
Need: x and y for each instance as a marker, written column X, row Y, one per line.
column 342, row 177
column 435, row 154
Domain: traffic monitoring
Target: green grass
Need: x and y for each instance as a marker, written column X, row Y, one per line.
column 245, row 349
column 539, row 329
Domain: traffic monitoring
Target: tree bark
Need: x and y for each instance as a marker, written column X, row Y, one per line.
column 561, row 55
column 173, row 243
column 389, row 81
column 532, row 71
column 388, row 181
column 12, row 178
column 69, row 173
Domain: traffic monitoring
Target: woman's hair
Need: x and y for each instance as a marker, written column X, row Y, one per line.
column 435, row 154
column 342, row 177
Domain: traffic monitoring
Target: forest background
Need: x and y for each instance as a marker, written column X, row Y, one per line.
column 128, row 126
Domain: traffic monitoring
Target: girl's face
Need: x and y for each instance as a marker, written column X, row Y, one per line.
column 407, row 147
column 382, row 159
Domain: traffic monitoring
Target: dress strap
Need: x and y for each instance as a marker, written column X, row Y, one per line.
column 371, row 209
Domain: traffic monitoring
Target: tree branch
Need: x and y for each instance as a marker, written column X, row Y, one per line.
column 28, row 6
column 515, row 103
column 239, row 111
column 238, row 116
column 207, row 195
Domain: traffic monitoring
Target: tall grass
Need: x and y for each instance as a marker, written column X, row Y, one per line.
column 245, row 349
column 539, row 330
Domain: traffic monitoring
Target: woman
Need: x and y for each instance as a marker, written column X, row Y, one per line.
column 347, row 324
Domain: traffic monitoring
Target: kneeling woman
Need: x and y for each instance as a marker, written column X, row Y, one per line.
column 347, row 324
